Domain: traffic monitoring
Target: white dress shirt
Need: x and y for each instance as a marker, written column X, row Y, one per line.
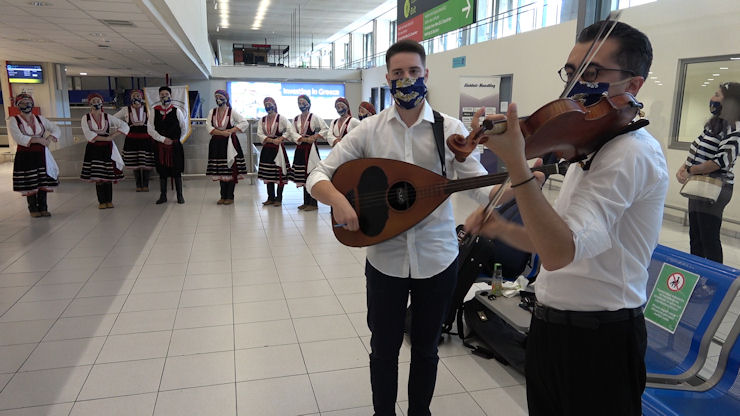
column 181, row 119
column 615, row 212
column 237, row 120
column 337, row 128
column 431, row 246
column 92, row 129
column 318, row 125
column 23, row 139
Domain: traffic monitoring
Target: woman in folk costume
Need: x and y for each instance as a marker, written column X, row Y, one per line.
column 34, row 170
column 344, row 124
column 138, row 151
column 226, row 162
column 103, row 163
column 310, row 128
column 365, row 110
column 274, row 165
column 168, row 125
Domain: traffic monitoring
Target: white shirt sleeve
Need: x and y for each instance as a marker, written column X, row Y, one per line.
column 122, row 114
column 209, row 125
column 351, row 147
column 288, row 131
column 260, row 131
column 150, row 126
column 118, row 124
column 50, row 127
column 297, row 129
column 16, row 134
column 319, row 126
column 238, row 121
column 184, row 124
column 89, row 134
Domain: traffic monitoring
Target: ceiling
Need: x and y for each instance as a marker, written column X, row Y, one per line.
column 319, row 19
column 72, row 32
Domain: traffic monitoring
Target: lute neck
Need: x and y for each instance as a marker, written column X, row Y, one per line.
column 458, row 185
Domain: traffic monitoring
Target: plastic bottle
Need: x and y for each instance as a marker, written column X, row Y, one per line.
column 497, row 283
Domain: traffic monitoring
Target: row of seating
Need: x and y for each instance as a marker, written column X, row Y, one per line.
column 674, row 360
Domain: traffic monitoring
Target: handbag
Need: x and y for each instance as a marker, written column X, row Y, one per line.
column 702, row 187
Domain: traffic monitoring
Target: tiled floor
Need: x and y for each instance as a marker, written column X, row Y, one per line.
column 200, row 309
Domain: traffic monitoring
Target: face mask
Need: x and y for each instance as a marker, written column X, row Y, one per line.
column 220, row 102
column 97, row 106
column 270, row 109
column 408, row 92
column 166, row 101
column 589, row 93
column 341, row 111
column 27, row 109
column 362, row 116
column 304, row 107
column 137, row 101
column 715, row 107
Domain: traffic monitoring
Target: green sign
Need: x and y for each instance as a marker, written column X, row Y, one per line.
column 448, row 16
column 670, row 296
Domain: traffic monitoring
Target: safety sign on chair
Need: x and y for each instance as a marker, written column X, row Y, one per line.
column 669, row 297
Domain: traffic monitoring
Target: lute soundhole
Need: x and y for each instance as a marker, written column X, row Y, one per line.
column 401, row 196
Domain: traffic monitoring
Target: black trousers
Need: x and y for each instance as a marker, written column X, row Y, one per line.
column 227, row 189
column 705, row 222
column 104, row 191
column 271, row 196
column 37, row 202
column 387, row 298
column 308, row 199
column 142, row 177
column 574, row 371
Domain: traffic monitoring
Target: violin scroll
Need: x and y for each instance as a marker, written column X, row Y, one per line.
column 462, row 147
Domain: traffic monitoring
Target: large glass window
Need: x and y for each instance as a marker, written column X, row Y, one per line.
column 341, row 51
column 699, row 78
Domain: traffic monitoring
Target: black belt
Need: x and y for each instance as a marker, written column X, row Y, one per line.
column 589, row 320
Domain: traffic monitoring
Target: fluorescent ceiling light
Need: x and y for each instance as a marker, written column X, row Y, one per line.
column 715, row 75
column 83, row 73
column 710, row 79
column 723, row 67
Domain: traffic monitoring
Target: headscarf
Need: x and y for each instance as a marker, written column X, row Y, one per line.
column 272, row 100
column 226, row 95
column 94, row 95
column 131, row 94
column 344, row 100
column 23, row 96
column 369, row 107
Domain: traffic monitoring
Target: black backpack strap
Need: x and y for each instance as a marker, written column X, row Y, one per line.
column 439, row 137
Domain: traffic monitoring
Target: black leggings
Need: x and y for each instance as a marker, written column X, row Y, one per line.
column 705, row 222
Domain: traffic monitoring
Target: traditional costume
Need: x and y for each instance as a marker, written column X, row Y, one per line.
column 344, row 124
column 138, row 149
column 226, row 162
column 306, row 155
column 168, row 122
column 274, row 165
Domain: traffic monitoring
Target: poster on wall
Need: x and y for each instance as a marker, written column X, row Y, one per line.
column 477, row 92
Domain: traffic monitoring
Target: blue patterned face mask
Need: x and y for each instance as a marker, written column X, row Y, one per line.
column 715, row 107
column 304, row 107
column 97, row 106
column 341, row 110
column 270, row 109
column 220, row 102
column 166, row 101
column 589, row 93
column 408, row 92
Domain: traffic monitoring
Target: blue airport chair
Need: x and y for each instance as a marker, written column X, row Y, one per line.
column 718, row 396
column 678, row 357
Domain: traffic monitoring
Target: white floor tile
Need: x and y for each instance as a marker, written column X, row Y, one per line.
column 142, row 404
column 477, row 373
column 256, row 293
column 202, row 340
column 29, row 311
column 122, row 379
column 200, row 316
column 211, row 400
column 144, row 321
column 453, row 405
column 346, row 285
column 270, row 310
column 160, row 284
column 342, row 389
column 24, row 332
column 276, row 397
column 135, row 347
column 323, row 328
column 43, row 387
column 95, row 306
column 13, row 356
column 446, row 383
column 264, row 334
column 353, row 302
column 344, row 353
column 298, row 273
column 269, row 362
column 204, row 297
column 67, row 353
column 151, row 301
column 505, row 400
column 53, row 410
column 208, row 281
column 198, row 370
column 318, row 306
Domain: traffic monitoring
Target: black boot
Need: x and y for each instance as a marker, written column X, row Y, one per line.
column 162, row 190
column 33, row 206
column 145, row 180
column 221, row 200
column 137, row 176
column 41, row 204
column 178, row 188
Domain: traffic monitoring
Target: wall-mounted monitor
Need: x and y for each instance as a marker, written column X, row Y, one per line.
column 25, row 74
column 247, row 97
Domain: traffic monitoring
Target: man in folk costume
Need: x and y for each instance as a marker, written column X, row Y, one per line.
column 138, row 151
column 103, row 164
column 365, row 110
column 34, row 170
column 310, row 127
column 274, row 165
column 226, row 162
column 344, row 124
column 168, row 125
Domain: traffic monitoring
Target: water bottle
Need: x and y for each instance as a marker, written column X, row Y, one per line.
column 497, row 283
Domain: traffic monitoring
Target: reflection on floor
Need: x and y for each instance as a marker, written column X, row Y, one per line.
column 199, row 309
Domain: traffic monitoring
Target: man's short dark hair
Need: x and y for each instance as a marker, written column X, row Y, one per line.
column 165, row 88
column 635, row 52
column 406, row 45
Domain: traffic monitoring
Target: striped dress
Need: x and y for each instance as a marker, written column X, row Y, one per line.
column 269, row 171
column 31, row 159
column 722, row 149
column 138, row 148
column 218, row 167
column 103, row 162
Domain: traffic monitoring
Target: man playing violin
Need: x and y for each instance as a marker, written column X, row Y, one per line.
column 421, row 261
column 587, row 340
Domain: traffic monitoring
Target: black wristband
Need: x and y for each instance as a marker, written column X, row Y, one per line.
column 523, row 182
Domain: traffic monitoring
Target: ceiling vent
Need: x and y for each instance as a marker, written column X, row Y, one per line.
column 112, row 22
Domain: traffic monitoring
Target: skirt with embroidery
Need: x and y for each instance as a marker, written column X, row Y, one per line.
column 138, row 149
column 29, row 171
column 218, row 168
column 98, row 165
column 269, row 171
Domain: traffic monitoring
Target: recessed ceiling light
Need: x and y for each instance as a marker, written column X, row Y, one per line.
column 703, row 85
column 723, row 67
column 710, row 79
column 715, row 75
column 83, row 73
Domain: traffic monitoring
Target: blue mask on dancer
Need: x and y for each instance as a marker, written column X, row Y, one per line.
column 137, row 101
column 715, row 107
column 341, row 111
column 27, row 109
column 408, row 92
column 270, row 109
column 97, row 106
column 166, row 101
column 304, row 107
column 220, row 102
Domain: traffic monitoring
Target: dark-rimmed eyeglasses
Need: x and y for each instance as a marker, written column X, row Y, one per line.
column 590, row 74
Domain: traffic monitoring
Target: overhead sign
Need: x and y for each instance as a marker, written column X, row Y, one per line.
column 424, row 19
column 670, row 296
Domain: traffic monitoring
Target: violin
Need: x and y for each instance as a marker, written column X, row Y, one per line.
column 564, row 126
